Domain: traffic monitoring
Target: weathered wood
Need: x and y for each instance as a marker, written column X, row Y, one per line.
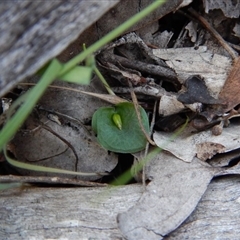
column 33, row 32
column 217, row 214
column 83, row 213
column 70, row 213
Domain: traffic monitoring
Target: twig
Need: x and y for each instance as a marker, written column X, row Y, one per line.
column 150, row 90
column 65, row 116
column 207, row 25
column 47, row 158
column 181, row 35
column 157, row 70
column 136, row 106
column 49, row 180
column 147, row 145
column 113, row 99
column 64, row 140
column 234, row 46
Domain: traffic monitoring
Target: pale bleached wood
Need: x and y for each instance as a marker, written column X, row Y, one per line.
column 64, row 213
column 84, row 213
column 33, row 32
column 217, row 215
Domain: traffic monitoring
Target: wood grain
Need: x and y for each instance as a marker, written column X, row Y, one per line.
column 33, row 32
column 83, row 213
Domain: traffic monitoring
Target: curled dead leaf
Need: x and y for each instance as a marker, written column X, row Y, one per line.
column 230, row 92
column 207, row 150
column 196, row 92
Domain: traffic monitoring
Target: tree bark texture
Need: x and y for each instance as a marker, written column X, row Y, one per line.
column 90, row 213
column 33, row 32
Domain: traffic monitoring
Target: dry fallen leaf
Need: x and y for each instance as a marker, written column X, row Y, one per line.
column 196, row 92
column 169, row 198
column 230, row 8
column 138, row 61
column 236, row 30
column 185, row 145
column 188, row 61
column 230, row 93
column 224, row 159
column 41, row 144
column 217, row 214
column 207, row 150
column 175, row 189
column 169, row 105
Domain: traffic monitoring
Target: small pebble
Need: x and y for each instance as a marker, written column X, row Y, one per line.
column 217, row 130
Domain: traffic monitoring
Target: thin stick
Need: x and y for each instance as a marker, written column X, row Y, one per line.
column 50, row 180
column 207, row 25
column 136, row 106
column 67, row 117
column 63, row 140
column 113, row 99
column 47, row 158
column 147, row 145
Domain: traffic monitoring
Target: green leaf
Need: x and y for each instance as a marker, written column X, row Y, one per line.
column 43, row 69
column 79, row 75
column 129, row 138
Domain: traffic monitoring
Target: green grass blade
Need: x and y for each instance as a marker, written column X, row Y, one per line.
column 110, row 36
column 14, row 123
column 104, row 82
column 127, row 176
column 78, row 75
column 32, row 167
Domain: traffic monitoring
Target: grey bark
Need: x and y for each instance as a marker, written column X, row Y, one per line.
column 217, row 214
column 70, row 213
column 84, row 213
column 33, row 32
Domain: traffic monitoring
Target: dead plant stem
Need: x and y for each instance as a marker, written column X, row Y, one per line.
column 147, row 145
column 207, row 25
column 47, row 128
column 136, row 106
column 50, row 180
